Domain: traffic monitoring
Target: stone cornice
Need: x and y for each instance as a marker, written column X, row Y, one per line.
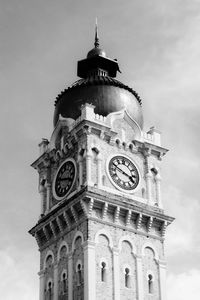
column 144, row 220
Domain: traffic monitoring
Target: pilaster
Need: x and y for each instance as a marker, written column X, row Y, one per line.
column 140, row 287
column 162, row 272
column 55, row 287
column 88, row 167
column 99, row 175
column 89, row 271
column 48, row 187
column 116, row 273
column 158, row 190
column 70, row 277
column 148, row 184
column 41, row 283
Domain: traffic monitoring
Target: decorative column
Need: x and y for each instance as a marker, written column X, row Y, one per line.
column 70, row 277
column 48, row 187
column 55, row 287
column 99, row 172
column 42, row 287
column 80, row 168
column 89, row 271
column 162, row 272
column 140, row 283
column 116, row 273
column 148, row 183
column 88, row 166
column 158, row 191
column 42, row 196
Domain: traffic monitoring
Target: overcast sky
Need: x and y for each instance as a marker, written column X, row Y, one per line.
column 157, row 44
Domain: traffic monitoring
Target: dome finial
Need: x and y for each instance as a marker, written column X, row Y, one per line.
column 96, row 43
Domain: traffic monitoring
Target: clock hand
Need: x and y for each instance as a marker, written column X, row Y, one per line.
column 124, row 173
column 64, row 178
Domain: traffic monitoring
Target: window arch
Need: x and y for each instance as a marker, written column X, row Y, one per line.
column 62, row 252
column 49, row 259
column 78, row 234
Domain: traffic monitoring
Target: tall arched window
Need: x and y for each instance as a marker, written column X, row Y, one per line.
column 49, row 291
column 127, row 277
column 64, row 283
column 150, row 284
column 79, row 274
column 103, row 272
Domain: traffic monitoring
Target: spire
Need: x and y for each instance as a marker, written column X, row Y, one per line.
column 96, row 43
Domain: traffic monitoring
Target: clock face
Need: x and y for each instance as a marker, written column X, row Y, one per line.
column 123, row 173
column 64, row 179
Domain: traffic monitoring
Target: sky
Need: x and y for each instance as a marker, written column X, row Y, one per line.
column 157, row 45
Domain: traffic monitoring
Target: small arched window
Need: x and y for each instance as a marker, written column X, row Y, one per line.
column 150, row 284
column 103, row 272
column 79, row 274
column 127, row 278
column 64, row 283
column 49, row 261
column 49, row 291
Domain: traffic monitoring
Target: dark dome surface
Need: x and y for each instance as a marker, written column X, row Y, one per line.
column 105, row 93
column 95, row 52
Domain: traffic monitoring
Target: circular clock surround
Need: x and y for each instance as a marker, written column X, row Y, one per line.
column 64, row 179
column 123, row 173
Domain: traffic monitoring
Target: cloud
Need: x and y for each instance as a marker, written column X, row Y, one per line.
column 181, row 234
column 184, row 286
column 16, row 279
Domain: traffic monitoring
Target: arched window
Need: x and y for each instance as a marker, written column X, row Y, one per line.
column 150, row 284
column 49, row 291
column 79, row 274
column 49, row 261
column 64, row 283
column 127, row 278
column 103, row 272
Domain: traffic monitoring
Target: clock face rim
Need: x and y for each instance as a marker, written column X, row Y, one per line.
column 130, row 191
column 56, row 175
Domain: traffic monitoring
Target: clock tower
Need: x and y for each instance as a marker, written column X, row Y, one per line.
column 102, row 225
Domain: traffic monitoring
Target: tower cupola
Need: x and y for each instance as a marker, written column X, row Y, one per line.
column 99, row 87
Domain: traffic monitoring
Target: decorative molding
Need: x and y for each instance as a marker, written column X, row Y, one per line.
column 74, row 213
column 116, row 214
column 128, row 217
column 60, row 226
column 139, row 221
column 105, row 209
column 53, row 229
column 149, row 224
column 84, row 208
column 46, row 233
column 66, row 218
column 91, row 204
column 163, row 228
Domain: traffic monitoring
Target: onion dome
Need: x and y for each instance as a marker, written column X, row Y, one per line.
column 99, row 87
